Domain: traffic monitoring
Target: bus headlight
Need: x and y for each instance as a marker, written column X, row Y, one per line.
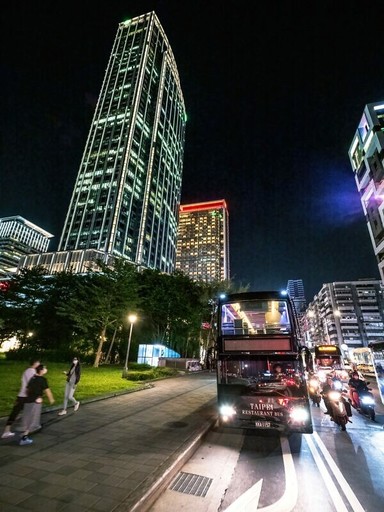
column 299, row 415
column 226, row 412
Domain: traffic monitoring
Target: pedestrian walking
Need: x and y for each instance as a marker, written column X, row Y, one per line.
column 73, row 378
column 21, row 398
column 36, row 388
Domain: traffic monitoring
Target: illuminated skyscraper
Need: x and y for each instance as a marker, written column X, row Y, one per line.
column 127, row 193
column 19, row 237
column 202, row 242
column 367, row 160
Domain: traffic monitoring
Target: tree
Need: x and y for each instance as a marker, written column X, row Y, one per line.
column 57, row 331
column 171, row 306
column 20, row 305
column 102, row 300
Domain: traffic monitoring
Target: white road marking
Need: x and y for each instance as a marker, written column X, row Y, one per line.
column 289, row 499
column 335, row 496
column 248, row 501
column 349, row 494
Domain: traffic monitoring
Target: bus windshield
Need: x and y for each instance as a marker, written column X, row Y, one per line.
column 255, row 317
column 260, row 369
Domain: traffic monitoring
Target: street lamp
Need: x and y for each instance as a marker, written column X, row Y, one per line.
column 131, row 319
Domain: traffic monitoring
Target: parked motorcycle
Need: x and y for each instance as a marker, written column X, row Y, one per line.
column 365, row 403
column 314, row 391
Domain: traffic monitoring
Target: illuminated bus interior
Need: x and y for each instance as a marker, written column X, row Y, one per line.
column 255, row 317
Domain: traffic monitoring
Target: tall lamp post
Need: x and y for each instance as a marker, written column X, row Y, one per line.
column 132, row 319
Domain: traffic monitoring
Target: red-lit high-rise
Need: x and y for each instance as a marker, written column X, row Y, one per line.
column 202, row 250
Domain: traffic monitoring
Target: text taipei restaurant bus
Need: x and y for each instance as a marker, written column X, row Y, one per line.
column 260, row 364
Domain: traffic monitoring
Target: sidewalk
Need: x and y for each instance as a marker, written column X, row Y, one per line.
column 115, row 454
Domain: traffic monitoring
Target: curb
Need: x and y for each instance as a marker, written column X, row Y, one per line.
column 143, row 499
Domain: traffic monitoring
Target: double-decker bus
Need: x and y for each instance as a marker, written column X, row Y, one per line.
column 260, row 364
column 328, row 358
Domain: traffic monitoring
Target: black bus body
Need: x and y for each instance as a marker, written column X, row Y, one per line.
column 257, row 332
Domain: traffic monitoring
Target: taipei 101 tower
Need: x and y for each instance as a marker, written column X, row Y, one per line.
column 126, row 197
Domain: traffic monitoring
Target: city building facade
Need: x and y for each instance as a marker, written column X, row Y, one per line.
column 19, row 237
column 126, row 198
column 366, row 155
column 202, row 250
column 347, row 314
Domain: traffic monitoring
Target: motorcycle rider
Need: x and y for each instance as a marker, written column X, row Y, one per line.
column 313, row 384
column 355, row 370
column 356, row 387
column 336, row 407
column 326, row 388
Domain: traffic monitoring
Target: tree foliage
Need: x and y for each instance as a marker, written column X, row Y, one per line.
column 101, row 300
column 20, row 305
column 71, row 313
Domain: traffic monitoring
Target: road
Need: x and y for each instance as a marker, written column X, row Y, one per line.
column 121, row 453
column 241, row 471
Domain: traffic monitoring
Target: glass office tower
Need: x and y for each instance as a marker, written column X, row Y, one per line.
column 127, row 193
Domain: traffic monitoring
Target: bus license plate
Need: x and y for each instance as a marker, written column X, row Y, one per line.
column 262, row 424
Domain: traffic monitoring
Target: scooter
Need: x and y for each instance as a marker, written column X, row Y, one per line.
column 314, row 391
column 340, row 407
column 365, row 403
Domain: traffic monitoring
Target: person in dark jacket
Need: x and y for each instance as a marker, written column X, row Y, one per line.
column 37, row 387
column 73, row 378
column 327, row 387
column 21, row 398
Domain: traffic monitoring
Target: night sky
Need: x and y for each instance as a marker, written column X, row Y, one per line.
column 274, row 92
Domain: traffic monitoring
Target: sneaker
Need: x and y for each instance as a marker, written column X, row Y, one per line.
column 25, row 441
column 6, row 435
column 77, row 405
column 61, row 413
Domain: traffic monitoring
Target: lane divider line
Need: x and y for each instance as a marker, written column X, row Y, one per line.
column 349, row 494
column 332, row 489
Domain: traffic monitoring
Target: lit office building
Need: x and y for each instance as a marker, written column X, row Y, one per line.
column 202, row 242
column 19, row 237
column 366, row 155
column 295, row 289
column 347, row 314
column 127, row 193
